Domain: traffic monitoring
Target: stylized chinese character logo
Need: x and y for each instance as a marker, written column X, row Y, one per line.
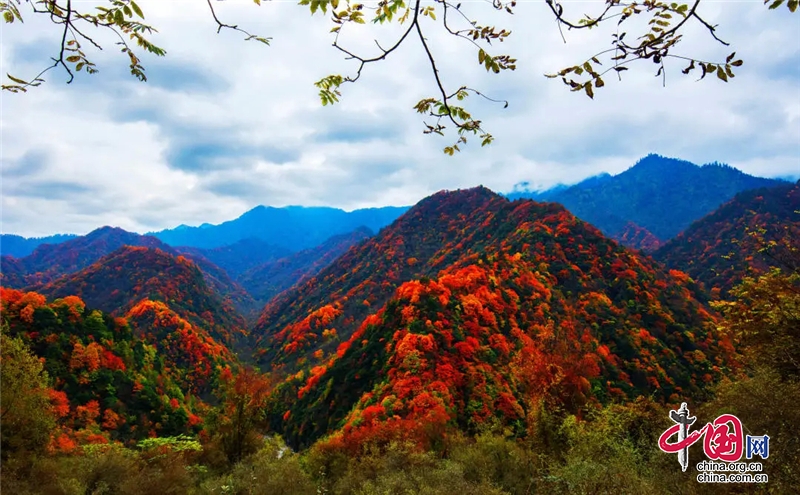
column 757, row 446
column 723, row 439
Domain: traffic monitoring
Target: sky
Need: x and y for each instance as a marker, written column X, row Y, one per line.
column 224, row 125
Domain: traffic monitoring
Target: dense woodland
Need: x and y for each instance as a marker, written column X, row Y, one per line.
column 475, row 345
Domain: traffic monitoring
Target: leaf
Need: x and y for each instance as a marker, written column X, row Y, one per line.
column 137, row 9
column 730, row 57
column 73, row 58
column 118, row 18
column 721, row 74
column 589, row 91
column 598, row 83
column 127, row 11
column 8, row 16
column 737, row 63
column 16, row 80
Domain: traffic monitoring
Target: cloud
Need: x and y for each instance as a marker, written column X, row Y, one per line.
column 223, row 125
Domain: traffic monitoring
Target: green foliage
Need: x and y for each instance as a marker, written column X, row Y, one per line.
column 272, row 470
column 25, row 410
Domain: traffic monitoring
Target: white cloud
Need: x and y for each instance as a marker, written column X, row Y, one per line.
column 224, row 125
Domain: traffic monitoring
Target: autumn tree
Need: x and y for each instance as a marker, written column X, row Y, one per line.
column 663, row 28
column 239, row 420
column 764, row 313
column 26, row 412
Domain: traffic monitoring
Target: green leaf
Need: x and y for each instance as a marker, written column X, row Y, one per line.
column 8, row 16
column 118, row 18
column 73, row 58
column 137, row 9
column 127, row 11
column 721, row 74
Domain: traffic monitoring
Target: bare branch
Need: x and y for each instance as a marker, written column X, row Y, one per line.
column 221, row 25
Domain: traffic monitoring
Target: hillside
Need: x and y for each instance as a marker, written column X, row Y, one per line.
column 660, row 195
column 121, row 280
column 51, row 261
column 364, row 278
column 471, row 308
column 109, row 383
column 717, row 249
column 293, row 227
column 269, row 279
column 238, row 257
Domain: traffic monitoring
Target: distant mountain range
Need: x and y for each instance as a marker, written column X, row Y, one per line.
column 662, row 196
column 641, row 208
column 18, row 246
column 293, row 228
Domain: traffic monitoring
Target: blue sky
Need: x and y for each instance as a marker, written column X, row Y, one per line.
column 223, row 125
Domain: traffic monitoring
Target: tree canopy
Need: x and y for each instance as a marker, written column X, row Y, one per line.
column 647, row 30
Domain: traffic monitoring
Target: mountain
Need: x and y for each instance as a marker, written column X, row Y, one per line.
column 472, row 308
column 50, row 261
column 18, row 246
column 121, row 280
column 110, row 382
column 240, row 256
column 636, row 237
column 269, row 279
column 717, row 249
column 294, row 227
column 662, row 196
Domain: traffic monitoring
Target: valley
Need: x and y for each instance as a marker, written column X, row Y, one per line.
column 468, row 315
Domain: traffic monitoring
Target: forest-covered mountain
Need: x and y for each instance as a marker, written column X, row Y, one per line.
column 18, row 246
column 469, row 306
column 737, row 239
column 50, row 261
column 267, row 280
column 660, row 195
column 119, row 281
column 240, row 256
column 499, row 344
column 110, row 382
column 293, row 227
